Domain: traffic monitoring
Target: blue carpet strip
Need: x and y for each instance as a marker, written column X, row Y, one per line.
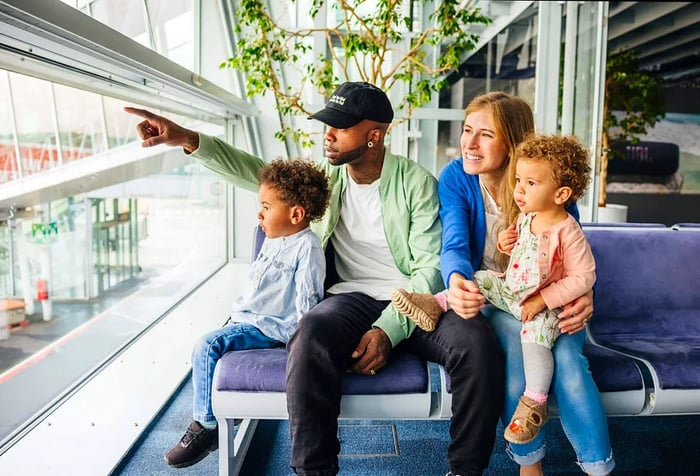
column 643, row 446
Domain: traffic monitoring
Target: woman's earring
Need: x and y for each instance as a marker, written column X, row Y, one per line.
column 370, row 144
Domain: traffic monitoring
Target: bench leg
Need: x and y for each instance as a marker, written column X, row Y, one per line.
column 232, row 450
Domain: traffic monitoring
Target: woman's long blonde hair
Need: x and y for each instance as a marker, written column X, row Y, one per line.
column 513, row 120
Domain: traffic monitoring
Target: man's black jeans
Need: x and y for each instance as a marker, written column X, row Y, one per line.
column 319, row 355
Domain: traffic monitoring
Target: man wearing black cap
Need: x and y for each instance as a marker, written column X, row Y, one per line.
column 381, row 231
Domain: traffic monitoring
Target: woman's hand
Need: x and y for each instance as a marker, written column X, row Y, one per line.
column 576, row 314
column 464, row 297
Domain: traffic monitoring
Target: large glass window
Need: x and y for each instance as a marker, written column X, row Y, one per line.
column 119, row 125
column 34, row 116
column 80, row 120
column 125, row 16
column 173, row 29
column 166, row 26
column 8, row 151
column 83, row 274
column 116, row 236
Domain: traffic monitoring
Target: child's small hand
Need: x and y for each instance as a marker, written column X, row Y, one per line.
column 507, row 239
column 531, row 307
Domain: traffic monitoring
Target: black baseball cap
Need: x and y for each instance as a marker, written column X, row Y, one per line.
column 353, row 102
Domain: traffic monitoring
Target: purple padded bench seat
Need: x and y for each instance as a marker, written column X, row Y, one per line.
column 250, row 385
column 618, row 377
column 647, row 306
column 263, row 370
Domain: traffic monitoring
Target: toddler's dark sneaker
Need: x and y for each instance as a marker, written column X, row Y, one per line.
column 195, row 444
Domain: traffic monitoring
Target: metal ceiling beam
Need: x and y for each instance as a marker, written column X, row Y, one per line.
column 56, row 42
column 653, row 29
column 671, row 43
column 641, row 15
column 664, row 34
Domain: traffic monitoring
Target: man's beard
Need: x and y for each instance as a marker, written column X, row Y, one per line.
column 349, row 156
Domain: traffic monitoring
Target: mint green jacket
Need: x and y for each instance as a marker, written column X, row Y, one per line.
column 409, row 200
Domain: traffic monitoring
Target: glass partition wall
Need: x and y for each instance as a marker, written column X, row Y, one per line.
column 84, row 274
column 68, row 265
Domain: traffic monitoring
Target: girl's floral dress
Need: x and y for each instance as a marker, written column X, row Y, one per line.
column 521, row 278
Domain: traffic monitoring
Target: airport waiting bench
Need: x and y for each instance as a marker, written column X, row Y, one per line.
column 643, row 348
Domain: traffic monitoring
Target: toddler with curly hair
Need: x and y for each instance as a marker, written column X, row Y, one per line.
column 284, row 281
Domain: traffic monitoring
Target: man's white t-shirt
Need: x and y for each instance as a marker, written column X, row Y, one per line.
column 363, row 260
